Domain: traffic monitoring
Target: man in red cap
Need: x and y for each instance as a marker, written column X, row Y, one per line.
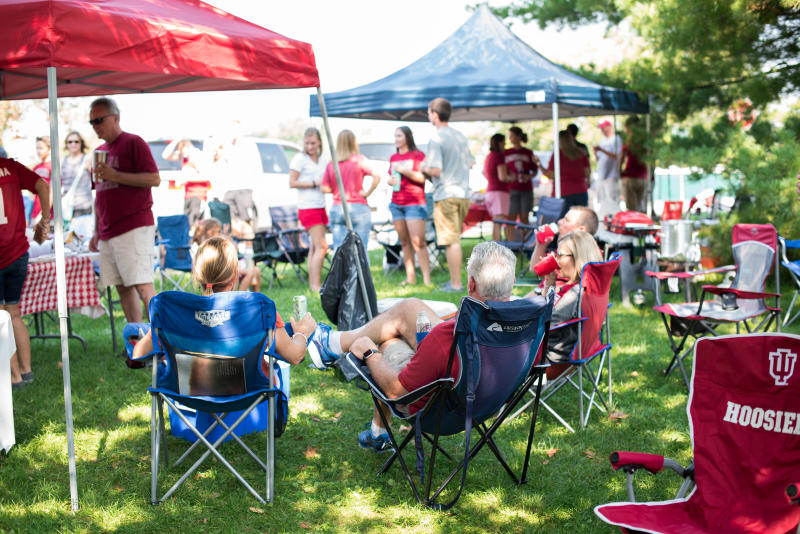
column 608, row 153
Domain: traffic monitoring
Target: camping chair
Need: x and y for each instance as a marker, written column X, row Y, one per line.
column 292, row 239
column 549, row 211
column 794, row 271
column 755, row 253
column 387, row 237
column 592, row 350
column 436, row 253
column 174, row 252
column 213, row 348
column 222, row 212
column 497, row 346
column 743, row 423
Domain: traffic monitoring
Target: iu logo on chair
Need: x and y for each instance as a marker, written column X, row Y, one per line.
column 212, row 318
column 781, row 366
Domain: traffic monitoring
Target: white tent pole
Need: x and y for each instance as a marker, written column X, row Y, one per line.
column 343, row 196
column 651, row 168
column 556, row 158
column 61, row 279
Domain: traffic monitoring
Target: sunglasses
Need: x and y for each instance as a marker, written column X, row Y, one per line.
column 73, row 142
column 99, row 120
column 560, row 255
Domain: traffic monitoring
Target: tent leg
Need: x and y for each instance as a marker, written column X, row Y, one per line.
column 556, row 159
column 61, row 281
column 345, row 209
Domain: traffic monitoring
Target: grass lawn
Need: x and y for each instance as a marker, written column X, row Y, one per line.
column 324, row 481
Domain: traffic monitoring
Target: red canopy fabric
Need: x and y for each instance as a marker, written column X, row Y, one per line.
column 101, row 47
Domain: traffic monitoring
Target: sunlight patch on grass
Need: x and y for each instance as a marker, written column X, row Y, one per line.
column 135, row 413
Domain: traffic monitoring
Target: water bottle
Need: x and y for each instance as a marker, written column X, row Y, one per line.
column 423, row 326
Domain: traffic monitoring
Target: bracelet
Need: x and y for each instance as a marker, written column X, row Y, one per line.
column 301, row 334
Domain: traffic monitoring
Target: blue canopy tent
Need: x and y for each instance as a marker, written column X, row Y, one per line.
column 487, row 73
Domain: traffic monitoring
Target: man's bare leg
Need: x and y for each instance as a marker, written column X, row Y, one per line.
column 398, row 322
column 454, row 260
column 131, row 306
column 146, row 292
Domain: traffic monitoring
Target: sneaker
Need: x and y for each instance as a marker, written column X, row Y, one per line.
column 321, row 356
column 27, row 377
column 447, row 288
column 321, row 333
column 380, row 443
column 21, row 384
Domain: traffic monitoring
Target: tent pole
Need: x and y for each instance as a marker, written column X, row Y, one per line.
column 651, row 168
column 61, row 280
column 343, row 196
column 556, row 158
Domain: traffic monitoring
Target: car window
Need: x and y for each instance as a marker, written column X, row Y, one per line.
column 273, row 159
column 157, row 147
column 290, row 152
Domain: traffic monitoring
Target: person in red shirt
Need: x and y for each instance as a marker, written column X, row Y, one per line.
column 14, row 177
column 522, row 168
column 634, row 170
column 408, row 207
column 499, row 182
column 388, row 343
column 575, row 170
column 353, row 167
column 124, row 224
column 43, row 169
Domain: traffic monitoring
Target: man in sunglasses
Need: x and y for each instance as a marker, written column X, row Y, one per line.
column 124, row 224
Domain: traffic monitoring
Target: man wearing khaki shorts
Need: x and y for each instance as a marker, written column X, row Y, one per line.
column 447, row 165
column 124, row 225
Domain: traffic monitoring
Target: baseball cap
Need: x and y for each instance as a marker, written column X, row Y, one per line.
column 603, row 124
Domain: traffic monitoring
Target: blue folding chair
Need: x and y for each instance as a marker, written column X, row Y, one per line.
column 794, row 271
column 498, row 346
column 174, row 251
column 213, row 348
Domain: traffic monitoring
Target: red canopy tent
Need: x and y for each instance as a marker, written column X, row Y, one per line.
column 51, row 48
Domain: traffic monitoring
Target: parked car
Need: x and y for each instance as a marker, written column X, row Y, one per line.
column 255, row 163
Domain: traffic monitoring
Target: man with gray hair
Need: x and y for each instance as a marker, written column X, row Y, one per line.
column 124, row 225
column 388, row 344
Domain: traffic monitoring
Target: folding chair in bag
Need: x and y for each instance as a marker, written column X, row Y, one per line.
column 794, row 271
column 745, row 430
column 213, row 348
column 174, row 252
column 497, row 346
column 591, row 353
column 755, row 253
column 549, row 211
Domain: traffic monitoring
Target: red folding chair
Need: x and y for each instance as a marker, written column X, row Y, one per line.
column 745, row 429
column 755, row 253
column 592, row 351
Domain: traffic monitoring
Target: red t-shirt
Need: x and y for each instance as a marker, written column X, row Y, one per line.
column 44, row 170
column 430, row 361
column 572, row 179
column 520, row 161
column 121, row 208
column 493, row 159
column 410, row 192
column 353, row 171
column 14, row 177
column 634, row 167
column 197, row 189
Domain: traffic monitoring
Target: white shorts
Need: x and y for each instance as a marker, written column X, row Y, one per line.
column 127, row 259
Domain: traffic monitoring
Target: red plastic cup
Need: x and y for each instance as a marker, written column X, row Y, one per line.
column 546, row 265
column 548, row 230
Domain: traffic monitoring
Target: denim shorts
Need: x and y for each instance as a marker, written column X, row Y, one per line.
column 11, row 279
column 400, row 212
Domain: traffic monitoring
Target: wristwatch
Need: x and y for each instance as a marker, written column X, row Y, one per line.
column 367, row 354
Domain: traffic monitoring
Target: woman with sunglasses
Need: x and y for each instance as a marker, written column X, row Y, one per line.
column 76, row 180
column 575, row 250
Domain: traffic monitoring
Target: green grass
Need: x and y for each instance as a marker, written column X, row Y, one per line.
column 324, row 482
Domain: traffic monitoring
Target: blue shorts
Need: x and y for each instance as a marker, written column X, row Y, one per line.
column 418, row 212
column 11, row 279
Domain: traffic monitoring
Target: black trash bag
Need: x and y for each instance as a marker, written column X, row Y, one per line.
column 340, row 294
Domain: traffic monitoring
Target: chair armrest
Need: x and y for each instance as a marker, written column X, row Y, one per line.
column 567, row 323
column 739, row 294
column 689, row 274
column 516, row 224
column 632, row 461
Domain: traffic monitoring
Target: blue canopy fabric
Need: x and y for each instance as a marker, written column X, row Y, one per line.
column 487, row 73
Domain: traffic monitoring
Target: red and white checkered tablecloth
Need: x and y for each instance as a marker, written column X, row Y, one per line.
column 39, row 291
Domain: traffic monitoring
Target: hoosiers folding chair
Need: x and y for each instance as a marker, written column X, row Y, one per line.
column 213, row 348
column 755, row 253
column 591, row 353
column 745, row 430
column 174, row 251
column 497, row 350
column 794, row 271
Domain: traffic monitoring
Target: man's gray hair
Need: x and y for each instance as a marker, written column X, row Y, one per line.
column 107, row 103
column 493, row 267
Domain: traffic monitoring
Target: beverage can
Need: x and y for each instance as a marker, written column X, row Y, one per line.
column 299, row 307
column 423, row 326
column 397, row 176
column 99, row 156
